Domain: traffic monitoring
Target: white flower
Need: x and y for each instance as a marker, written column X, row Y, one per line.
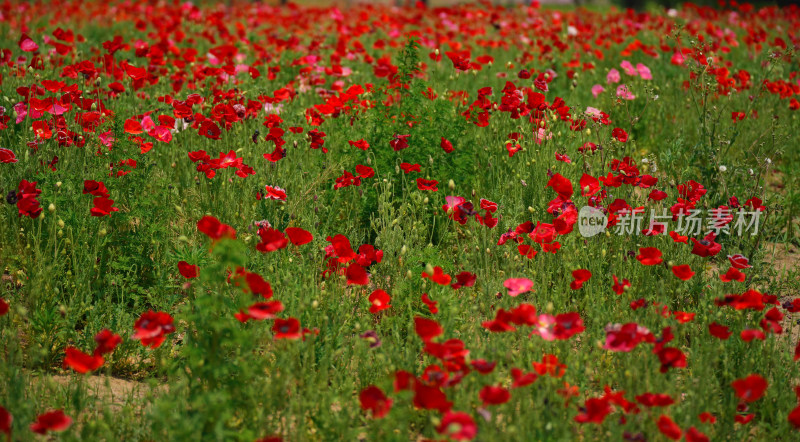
column 722, row 168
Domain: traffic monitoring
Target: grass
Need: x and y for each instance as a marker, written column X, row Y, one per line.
column 225, row 362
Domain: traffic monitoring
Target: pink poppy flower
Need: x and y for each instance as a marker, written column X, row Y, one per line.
column 644, row 72
column 628, row 68
column 613, row 77
column 517, row 286
column 624, row 93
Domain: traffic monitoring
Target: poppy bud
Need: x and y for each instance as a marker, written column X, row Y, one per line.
column 51, row 208
column 61, row 223
column 58, row 183
column 451, row 185
column 425, row 201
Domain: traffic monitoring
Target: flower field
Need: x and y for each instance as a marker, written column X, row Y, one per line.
column 242, row 221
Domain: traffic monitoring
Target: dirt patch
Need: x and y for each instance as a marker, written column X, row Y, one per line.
column 784, row 258
column 106, row 390
column 775, row 181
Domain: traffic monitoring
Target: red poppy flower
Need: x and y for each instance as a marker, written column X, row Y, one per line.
column 744, row 419
column 719, row 331
column 750, row 334
column 95, row 188
column 274, row 193
column 794, row 417
column 380, row 301
column 27, row 44
column 501, row 322
column 671, row 357
column 464, row 279
column 430, row 398
column 286, row 328
column 214, row 229
column 657, row 195
column 751, row 388
column 106, row 342
column 482, row 366
column 356, row 275
column 431, row 304
column 342, row 248
column 3, row 307
column 261, row 311
column 706, row 246
column 399, row 142
column 458, row 426
column 6, row 419
column 408, row 168
column 619, row 135
column 423, row 184
column 271, row 240
column 669, row 428
column 678, row 238
column 550, row 366
column 618, row 287
column 694, row 435
column 103, row 207
column 649, row 256
column 360, row 144
column 151, row 328
column 626, row 337
column 427, row 329
column 522, row 379
column 187, row 270
column 447, row 146
column 512, row 148
column 733, row 274
column 655, row 399
column 706, row 417
column 27, row 204
column 7, row 156
column 299, row 236
column 524, row 314
column 373, row 398
column 82, row 362
column 739, row 261
column 51, row 421
column 561, row 185
column 494, row 395
column 365, row 171
column 595, row 411
column 579, row 276
column 438, row 276
column 683, row 272
column 589, row 185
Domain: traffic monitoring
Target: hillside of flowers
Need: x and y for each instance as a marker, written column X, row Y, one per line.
column 246, row 221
